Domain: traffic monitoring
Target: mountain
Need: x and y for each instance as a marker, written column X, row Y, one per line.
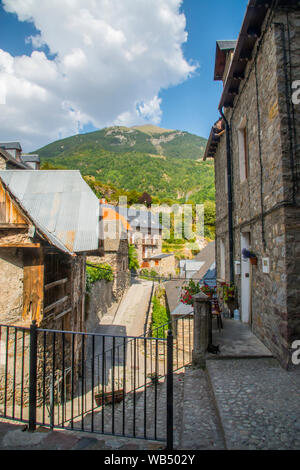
column 146, row 139
column 165, row 163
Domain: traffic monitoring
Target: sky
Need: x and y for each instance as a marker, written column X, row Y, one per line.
column 69, row 66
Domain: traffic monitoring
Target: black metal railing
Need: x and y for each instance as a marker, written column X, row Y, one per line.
column 182, row 328
column 90, row 382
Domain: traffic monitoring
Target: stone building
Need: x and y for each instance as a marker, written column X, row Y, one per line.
column 12, row 158
column 115, row 249
column 49, row 221
column 8, row 162
column 146, row 234
column 164, row 264
column 255, row 145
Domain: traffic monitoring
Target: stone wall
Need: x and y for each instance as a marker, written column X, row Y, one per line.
column 98, row 301
column 11, row 285
column 116, row 255
column 268, row 189
column 165, row 266
column 52, row 351
column 2, row 163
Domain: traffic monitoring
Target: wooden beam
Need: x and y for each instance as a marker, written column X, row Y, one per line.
column 54, row 304
column 56, row 283
column 13, row 226
column 62, row 314
column 20, row 245
column 33, row 285
column 239, row 76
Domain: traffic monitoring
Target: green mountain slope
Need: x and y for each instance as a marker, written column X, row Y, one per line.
column 165, row 163
column 145, row 139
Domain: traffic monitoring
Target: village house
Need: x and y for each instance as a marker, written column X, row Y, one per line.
column 8, row 162
column 255, row 146
column 146, row 236
column 12, row 158
column 31, row 160
column 49, row 221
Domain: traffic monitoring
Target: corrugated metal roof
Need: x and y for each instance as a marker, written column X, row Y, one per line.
column 61, row 205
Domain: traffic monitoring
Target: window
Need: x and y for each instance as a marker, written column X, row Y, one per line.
column 243, row 150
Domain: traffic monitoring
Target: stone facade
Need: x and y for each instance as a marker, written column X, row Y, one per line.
column 116, row 255
column 11, row 282
column 266, row 202
column 147, row 243
column 164, row 265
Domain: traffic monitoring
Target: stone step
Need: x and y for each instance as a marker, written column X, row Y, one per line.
column 200, row 428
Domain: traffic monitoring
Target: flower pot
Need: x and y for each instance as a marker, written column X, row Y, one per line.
column 108, row 397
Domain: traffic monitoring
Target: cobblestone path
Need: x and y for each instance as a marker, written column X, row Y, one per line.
column 259, row 403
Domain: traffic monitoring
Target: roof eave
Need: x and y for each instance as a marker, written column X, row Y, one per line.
column 40, row 230
column 250, row 32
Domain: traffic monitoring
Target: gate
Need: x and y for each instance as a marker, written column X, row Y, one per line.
column 90, row 382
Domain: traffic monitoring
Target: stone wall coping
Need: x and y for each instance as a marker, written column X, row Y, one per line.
column 200, row 297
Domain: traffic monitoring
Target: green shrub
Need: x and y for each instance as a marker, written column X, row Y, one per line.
column 96, row 272
column 132, row 258
column 160, row 316
column 149, row 274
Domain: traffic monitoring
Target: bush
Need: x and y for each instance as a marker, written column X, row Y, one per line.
column 149, row 273
column 160, row 317
column 132, row 258
column 96, row 272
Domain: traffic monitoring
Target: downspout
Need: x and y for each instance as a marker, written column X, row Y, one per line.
column 230, row 201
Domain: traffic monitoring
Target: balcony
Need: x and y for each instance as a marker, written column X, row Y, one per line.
column 149, row 241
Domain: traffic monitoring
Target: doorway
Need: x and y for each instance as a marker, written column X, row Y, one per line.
column 245, row 278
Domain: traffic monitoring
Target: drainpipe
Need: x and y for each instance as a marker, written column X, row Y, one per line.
column 230, row 201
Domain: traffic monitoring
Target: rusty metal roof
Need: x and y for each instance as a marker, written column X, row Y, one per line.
column 60, row 204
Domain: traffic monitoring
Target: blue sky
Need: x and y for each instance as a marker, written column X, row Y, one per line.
column 193, row 105
column 54, row 95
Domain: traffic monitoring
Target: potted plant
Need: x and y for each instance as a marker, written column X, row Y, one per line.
column 154, row 377
column 209, row 291
column 251, row 256
column 188, row 291
column 229, row 296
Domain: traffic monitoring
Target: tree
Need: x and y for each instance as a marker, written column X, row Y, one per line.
column 145, row 199
column 132, row 258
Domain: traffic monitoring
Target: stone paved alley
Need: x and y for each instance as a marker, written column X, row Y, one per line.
column 235, row 404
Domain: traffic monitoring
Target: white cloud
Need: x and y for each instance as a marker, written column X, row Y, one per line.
column 112, row 58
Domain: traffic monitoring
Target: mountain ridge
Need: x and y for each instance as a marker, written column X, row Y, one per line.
column 165, row 163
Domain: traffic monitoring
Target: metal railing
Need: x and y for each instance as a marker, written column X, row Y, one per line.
column 88, row 382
